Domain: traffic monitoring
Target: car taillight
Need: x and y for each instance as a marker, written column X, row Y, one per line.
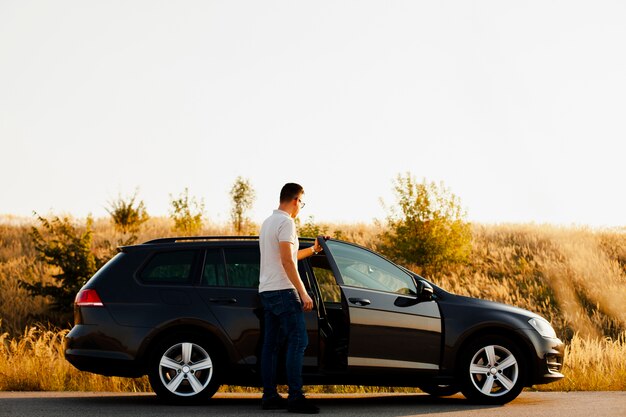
column 88, row 298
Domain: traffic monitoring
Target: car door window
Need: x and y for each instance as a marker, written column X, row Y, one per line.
column 242, row 266
column 330, row 291
column 213, row 273
column 364, row 269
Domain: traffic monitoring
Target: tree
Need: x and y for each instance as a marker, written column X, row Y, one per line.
column 430, row 230
column 61, row 245
column 242, row 195
column 187, row 214
column 128, row 215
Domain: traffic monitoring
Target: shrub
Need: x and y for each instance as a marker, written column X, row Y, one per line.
column 128, row 215
column 312, row 229
column 60, row 245
column 187, row 214
column 429, row 231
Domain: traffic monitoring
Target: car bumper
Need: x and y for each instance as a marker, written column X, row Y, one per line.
column 547, row 362
column 103, row 363
column 98, row 349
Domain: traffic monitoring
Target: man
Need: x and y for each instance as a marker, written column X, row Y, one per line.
column 284, row 299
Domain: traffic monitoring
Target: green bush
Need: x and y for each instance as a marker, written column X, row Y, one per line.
column 312, row 229
column 128, row 215
column 429, row 229
column 187, row 214
column 62, row 246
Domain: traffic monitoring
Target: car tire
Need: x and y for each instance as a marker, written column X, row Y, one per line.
column 440, row 390
column 492, row 371
column 184, row 369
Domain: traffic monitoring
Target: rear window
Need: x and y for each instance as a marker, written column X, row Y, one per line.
column 169, row 267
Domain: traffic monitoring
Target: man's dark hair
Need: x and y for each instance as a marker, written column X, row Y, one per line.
column 290, row 191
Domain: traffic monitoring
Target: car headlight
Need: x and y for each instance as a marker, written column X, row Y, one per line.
column 543, row 327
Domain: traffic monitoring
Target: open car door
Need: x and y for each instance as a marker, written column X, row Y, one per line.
column 391, row 325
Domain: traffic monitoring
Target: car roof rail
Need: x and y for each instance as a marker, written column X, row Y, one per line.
column 198, row 238
column 205, row 238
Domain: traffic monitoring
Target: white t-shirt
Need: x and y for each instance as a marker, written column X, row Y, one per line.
column 279, row 227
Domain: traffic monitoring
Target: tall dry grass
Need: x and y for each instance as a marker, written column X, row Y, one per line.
column 17, row 308
column 592, row 365
column 34, row 361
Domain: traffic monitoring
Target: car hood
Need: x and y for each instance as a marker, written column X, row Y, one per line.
column 492, row 305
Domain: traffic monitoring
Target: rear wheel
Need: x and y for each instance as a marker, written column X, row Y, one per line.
column 184, row 370
column 492, row 371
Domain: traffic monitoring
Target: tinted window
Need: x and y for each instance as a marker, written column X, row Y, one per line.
column 169, row 267
column 242, row 266
column 331, row 293
column 213, row 273
column 362, row 268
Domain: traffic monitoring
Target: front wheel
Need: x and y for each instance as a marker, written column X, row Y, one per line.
column 183, row 370
column 492, row 371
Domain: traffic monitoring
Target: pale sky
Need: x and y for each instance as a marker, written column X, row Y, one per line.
column 518, row 107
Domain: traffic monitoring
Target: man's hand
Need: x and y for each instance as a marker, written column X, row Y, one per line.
column 307, row 302
column 317, row 247
column 292, row 273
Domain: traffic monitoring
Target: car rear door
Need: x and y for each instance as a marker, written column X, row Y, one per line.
column 388, row 326
column 230, row 286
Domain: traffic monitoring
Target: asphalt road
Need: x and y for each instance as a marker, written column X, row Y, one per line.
column 531, row 404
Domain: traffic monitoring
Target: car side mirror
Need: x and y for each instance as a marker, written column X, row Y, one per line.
column 424, row 291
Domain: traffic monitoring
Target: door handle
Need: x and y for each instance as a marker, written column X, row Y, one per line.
column 223, row 300
column 360, row 301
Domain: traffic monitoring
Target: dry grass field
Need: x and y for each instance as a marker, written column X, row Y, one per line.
column 575, row 277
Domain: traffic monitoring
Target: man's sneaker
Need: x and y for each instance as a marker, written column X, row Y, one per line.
column 303, row 406
column 276, row 403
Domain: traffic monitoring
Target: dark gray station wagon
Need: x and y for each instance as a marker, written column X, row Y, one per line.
column 186, row 312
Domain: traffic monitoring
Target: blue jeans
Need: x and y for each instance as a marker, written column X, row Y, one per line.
column 283, row 316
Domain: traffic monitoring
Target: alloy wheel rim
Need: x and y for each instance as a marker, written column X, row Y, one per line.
column 185, row 369
column 494, row 371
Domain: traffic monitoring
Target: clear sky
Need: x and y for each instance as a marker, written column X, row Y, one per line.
column 519, row 107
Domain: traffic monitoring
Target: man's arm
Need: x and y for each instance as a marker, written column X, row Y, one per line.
column 292, row 273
